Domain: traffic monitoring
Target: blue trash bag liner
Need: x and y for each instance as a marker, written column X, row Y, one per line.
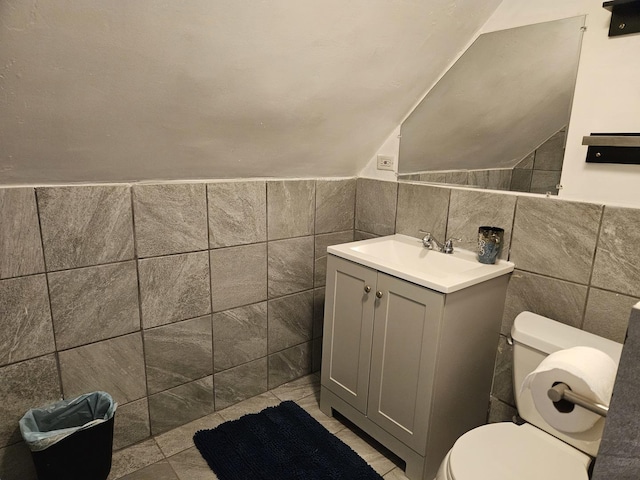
column 43, row 427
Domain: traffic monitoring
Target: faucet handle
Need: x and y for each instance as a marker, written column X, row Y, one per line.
column 427, row 236
column 448, row 245
column 428, row 240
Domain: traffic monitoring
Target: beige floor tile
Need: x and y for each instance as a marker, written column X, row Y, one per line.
column 189, row 465
column 134, row 458
column 158, row 471
column 366, row 450
column 251, row 405
column 395, row 474
column 300, row 388
column 181, row 438
column 310, row 404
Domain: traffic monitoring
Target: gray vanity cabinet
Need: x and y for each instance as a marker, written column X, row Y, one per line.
column 403, row 358
column 348, row 331
column 410, row 366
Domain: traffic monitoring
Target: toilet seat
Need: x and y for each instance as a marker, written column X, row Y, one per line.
column 506, row 451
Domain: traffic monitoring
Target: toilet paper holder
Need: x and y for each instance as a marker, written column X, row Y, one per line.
column 561, row 391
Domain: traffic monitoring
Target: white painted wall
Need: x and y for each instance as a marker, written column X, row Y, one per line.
column 606, row 98
column 517, row 13
column 95, row 91
column 390, row 147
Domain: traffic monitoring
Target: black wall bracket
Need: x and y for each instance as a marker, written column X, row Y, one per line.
column 621, row 148
column 625, row 17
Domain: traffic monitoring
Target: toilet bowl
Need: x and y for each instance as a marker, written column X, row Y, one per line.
column 533, row 450
column 506, row 451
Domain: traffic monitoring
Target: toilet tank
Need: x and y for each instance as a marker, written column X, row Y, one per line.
column 535, row 337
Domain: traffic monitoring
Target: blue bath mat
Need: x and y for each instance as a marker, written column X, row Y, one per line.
column 279, row 443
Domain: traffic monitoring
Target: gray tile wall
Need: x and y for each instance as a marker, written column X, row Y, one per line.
column 376, row 206
column 81, row 309
column 578, row 263
column 178, row 299
column 540, row 172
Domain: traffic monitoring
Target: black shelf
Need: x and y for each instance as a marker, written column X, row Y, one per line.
column 622, row 148
column 625, row 17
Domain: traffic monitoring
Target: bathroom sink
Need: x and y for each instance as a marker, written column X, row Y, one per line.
column 405, row 257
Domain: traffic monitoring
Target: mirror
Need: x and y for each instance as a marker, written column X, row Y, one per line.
column 497, row 118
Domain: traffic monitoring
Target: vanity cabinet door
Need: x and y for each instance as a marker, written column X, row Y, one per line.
column 405, row 342
column 348, row 330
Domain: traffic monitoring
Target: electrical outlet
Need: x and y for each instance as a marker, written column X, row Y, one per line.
column 386, row 162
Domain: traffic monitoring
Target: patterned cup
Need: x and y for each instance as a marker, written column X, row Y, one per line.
column 489, row 244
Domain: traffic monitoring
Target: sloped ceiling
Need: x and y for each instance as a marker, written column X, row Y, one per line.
column 97, row 91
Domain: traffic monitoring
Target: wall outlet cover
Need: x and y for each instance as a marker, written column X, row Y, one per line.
column 386, row 162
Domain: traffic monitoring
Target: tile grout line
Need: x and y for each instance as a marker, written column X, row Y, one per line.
column 46, row 277
column 213, row 369
column 140, row 317
column 593, row 266
column 314, row 211
column 267, row 299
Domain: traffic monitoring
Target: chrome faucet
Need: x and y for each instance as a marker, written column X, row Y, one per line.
column 432, row 244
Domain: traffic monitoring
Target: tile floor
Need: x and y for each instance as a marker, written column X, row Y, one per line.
column 172, row 455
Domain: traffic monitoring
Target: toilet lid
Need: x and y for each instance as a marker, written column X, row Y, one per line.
column 506, row 451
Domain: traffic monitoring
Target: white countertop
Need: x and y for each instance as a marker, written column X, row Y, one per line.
column 406, row 258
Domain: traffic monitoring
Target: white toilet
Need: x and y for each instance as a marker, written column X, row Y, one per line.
column 534, row 450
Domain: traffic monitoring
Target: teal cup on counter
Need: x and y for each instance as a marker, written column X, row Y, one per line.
column 490, row 241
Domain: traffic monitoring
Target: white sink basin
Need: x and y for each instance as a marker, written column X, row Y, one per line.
column 405, row 257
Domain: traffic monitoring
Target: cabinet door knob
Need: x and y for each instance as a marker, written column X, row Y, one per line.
column 367, row 288
column 379, row 294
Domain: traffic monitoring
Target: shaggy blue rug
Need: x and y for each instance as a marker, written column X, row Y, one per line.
column 279, row 443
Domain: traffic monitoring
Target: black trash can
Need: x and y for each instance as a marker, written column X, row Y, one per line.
column 71, row 439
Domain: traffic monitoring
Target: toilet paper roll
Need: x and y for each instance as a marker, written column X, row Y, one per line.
column 587, row 371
